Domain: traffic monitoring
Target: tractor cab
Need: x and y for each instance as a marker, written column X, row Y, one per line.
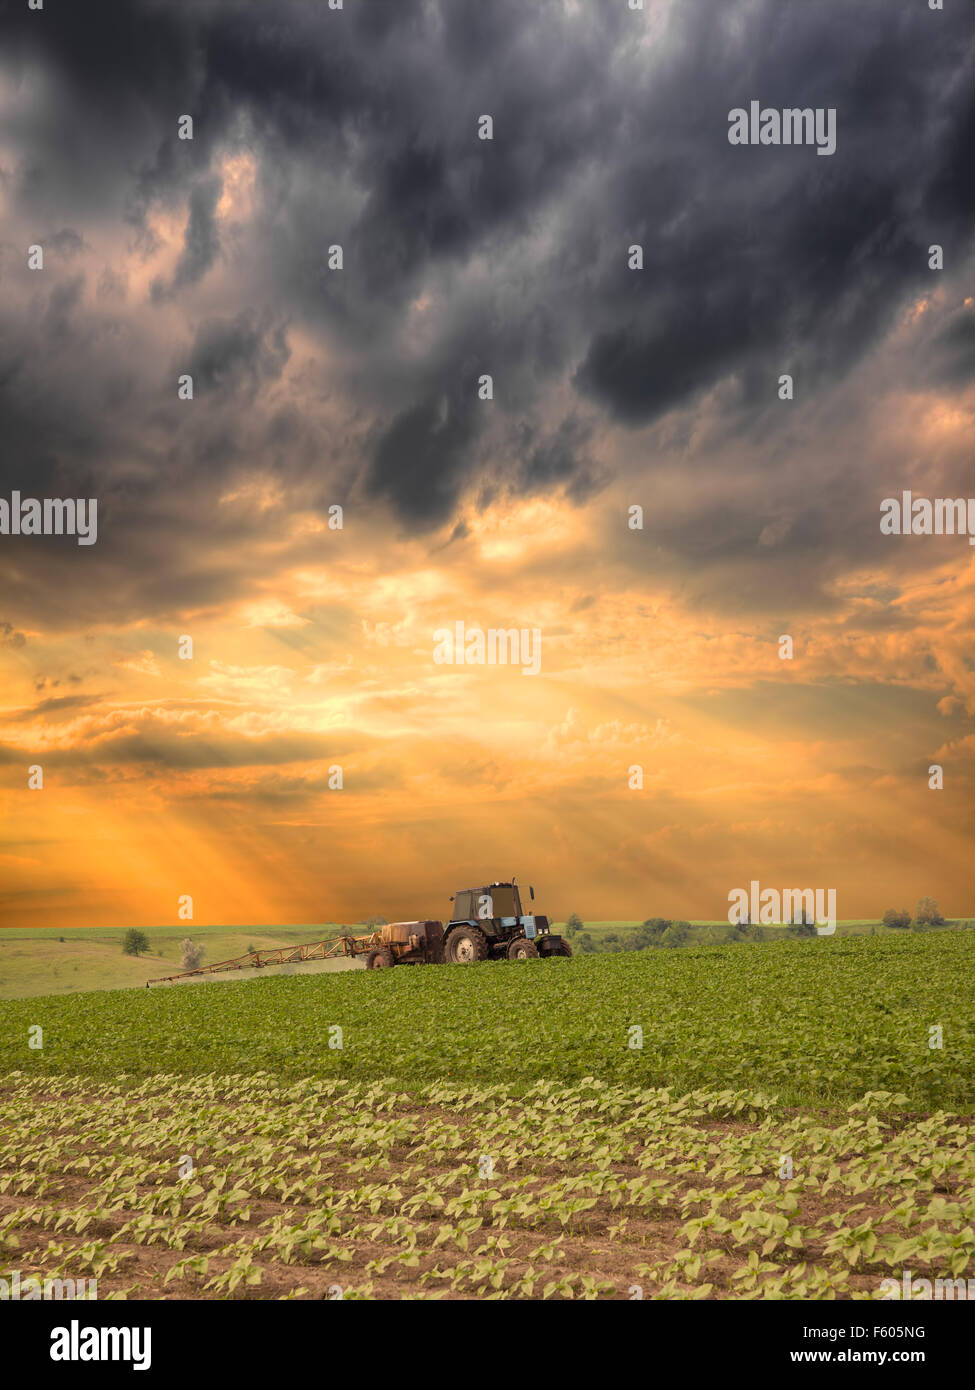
column 493, row 900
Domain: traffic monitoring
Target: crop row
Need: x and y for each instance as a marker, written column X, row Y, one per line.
column 247, row 1187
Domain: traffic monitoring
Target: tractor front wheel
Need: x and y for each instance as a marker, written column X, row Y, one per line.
column 522, row 949
column 465, row 946
column 562, row 948
column 379, row 959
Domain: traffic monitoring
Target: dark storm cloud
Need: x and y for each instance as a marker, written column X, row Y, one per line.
column 559, row 457
column 237, row 356
column 610, row 128
column 202, row 239
column 954, row 358
column 56, row 705
column 424, row 450
column 278, row 789
column 764, row 259
column 164, row 747
column 66, row 242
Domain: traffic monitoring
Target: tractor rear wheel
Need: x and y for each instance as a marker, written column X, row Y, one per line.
column 380, row 958
column 522, row 949
column 465, row 946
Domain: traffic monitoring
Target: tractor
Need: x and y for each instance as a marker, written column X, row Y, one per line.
column 485, row 923
column 489, row 922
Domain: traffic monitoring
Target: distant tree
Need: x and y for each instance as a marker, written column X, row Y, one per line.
column 676, row 934
column 574, row 924
column 134, row 942
column 653, row 928
column 250, row 947
column 640, row 938
column 375, row 922
column 585, row 944
column 192, row 954
column 801, row 923
column 60, row 938
column 927, row 914
column 893, row 918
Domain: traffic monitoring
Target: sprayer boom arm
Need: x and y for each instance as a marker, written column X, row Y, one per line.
column 280, row 955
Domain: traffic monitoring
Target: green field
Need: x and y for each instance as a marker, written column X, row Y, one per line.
column 784, row 1130
column 817, row 1022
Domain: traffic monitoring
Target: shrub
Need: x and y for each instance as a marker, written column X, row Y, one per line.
column 192, row 954
column 893, row 918
column 928, row 914
column 134, row 942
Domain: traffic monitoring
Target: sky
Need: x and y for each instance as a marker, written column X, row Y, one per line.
column 361, row 388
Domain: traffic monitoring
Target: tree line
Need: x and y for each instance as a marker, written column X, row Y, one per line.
column 663, row 931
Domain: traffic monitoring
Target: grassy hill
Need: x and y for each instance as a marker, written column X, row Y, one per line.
column 41, row 961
